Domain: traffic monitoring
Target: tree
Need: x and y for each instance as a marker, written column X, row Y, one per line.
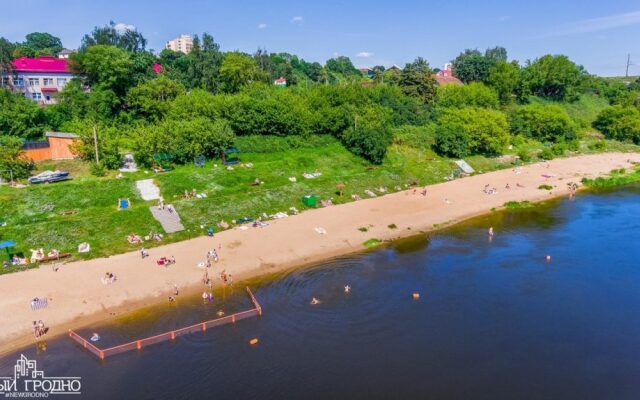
column 464, row 131
column 152, row 99
column 545, row 123
column 370, row 135
column 472, row 66
column 342, row 65
column 183, row 139
column 6, row 51
column 416, row 80
column 203, row 64
column 504, row 78
column 553, row 77
column 496, row 54
column 619, row 123
column 42, row 43
column 109, row 35
column 239, row 70
column 474, row 94
column 20, row 116
column 13, row 164
column 107, row 66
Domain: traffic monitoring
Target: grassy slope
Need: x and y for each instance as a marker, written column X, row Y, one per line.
column 34, row 220
column 33, row 213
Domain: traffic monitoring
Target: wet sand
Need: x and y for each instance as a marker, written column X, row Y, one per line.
column 77, row 297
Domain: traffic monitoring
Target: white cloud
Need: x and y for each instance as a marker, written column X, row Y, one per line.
column 122, row 27
column 599, row 24
column 297, row 19
column 262, row 26
column 364, row 54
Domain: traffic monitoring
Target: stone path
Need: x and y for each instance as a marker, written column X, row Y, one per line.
column 170, row 221
column 148, row 190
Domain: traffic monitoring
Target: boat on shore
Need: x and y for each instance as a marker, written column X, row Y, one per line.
column 49, row 177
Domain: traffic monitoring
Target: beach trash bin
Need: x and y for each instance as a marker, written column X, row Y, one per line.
column 124, row 203
column 310, row 200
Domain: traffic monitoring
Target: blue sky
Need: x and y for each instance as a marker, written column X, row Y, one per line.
column 596, row 34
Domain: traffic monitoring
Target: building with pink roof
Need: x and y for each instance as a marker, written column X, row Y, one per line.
column 38, row 78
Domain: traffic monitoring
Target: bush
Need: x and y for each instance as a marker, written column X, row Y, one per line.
column 559, row 149
column 545, row 123
column 600, row 145
column 573, row 145
column 98, row 169
column 545, row 187
column 619, row 123
column 12, row 161
column 524, row 155
column 371, row 134
column 465, row 131
column 547, row 154
column 474, row 94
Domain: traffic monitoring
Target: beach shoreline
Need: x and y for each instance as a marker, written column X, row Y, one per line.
column 78, row 299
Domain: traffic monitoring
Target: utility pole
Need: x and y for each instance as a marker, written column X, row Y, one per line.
column 626, row 74
column 95, row 144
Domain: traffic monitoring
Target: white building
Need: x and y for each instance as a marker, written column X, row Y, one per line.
column 183, row 43
column 38, row 79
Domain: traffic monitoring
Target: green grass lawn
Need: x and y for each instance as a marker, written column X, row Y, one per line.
column 34, row 214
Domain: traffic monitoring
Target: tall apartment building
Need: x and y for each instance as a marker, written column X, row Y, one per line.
column 182, row 43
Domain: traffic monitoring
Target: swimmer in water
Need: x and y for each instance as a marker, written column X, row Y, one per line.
column 347, row 289
column 315, row 301
column 491, row 231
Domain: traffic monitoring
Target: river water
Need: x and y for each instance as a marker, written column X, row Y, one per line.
column 494, row 320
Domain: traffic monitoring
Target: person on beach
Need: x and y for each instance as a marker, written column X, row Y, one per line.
column 171, row 299
column 173, row 260
column 205, row 296
column 144, row 253
column 175, row 289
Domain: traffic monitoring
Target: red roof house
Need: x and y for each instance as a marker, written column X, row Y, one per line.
column 445, row 76
column 45, row 64
column 39, row 78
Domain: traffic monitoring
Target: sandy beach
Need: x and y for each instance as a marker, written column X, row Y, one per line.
column 77, row 296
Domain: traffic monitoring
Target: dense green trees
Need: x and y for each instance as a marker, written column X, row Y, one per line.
column 21, row 117
column 152, row 99
column 465, row 131
column 239, row 70
column 370, row 134
column 545, row 123
column 474, row 94
column 553, row 77
column 12, row 162
column 504, row 78
column 620, row 123
column 473, row 66
column 38, row 44
column 127, row 38
column 199, row 102
column 416, row 80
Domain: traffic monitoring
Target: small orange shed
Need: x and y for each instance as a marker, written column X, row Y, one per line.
column 57, row 147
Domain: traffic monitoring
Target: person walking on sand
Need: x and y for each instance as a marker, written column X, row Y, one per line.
column 175, row 289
